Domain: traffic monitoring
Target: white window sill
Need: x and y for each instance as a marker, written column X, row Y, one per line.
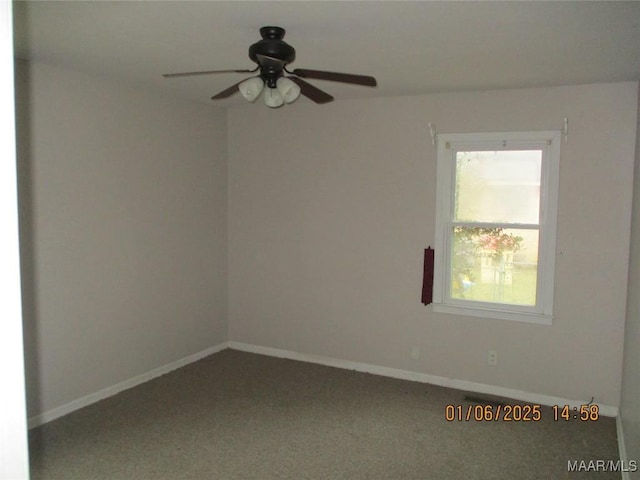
column 539, row 318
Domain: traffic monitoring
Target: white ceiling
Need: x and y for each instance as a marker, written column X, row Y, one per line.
column 410, row 47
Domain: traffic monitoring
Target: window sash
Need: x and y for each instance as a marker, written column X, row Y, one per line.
column 457, row 176
column 450, row 299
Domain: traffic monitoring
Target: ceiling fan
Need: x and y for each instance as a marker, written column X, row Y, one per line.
column 272, row 55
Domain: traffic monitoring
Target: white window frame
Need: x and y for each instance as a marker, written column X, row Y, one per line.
column 448, row 145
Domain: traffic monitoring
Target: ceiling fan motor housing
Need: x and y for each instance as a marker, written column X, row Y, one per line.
column 272, row 46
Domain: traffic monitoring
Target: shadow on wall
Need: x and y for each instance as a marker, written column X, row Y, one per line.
column 27, row 236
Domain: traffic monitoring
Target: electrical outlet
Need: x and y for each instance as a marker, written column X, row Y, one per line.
column 492, row 358
column 415, row 353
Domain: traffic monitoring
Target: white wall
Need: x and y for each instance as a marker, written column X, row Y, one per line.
column 14, row 461
column 331, row 206
column 630, row 401
column 123, row 224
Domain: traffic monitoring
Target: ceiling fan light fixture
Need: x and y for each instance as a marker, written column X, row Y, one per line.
column 273, row 98
column 251, row 88
column 289, row 90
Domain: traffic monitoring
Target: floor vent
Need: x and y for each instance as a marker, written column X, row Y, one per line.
column 482, row 401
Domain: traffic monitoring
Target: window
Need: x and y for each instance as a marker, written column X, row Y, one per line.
column 495, row 224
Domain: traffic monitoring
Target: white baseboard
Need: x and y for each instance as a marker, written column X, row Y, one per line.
column 535, row 398
column 79, row 403
column 464, row 385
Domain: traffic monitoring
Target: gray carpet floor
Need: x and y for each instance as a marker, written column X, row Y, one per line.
column 237, row 415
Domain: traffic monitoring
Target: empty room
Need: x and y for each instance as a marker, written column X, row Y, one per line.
column 321, row 240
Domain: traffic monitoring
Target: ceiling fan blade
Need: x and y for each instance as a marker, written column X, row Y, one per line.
column 313, row 93
column 336, row 77
column 228, row 92
column 208, row 72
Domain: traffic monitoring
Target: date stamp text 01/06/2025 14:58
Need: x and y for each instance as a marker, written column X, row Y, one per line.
column 518, row 413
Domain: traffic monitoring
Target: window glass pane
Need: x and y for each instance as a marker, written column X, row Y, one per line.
column 501, row 187
column 497, row 265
